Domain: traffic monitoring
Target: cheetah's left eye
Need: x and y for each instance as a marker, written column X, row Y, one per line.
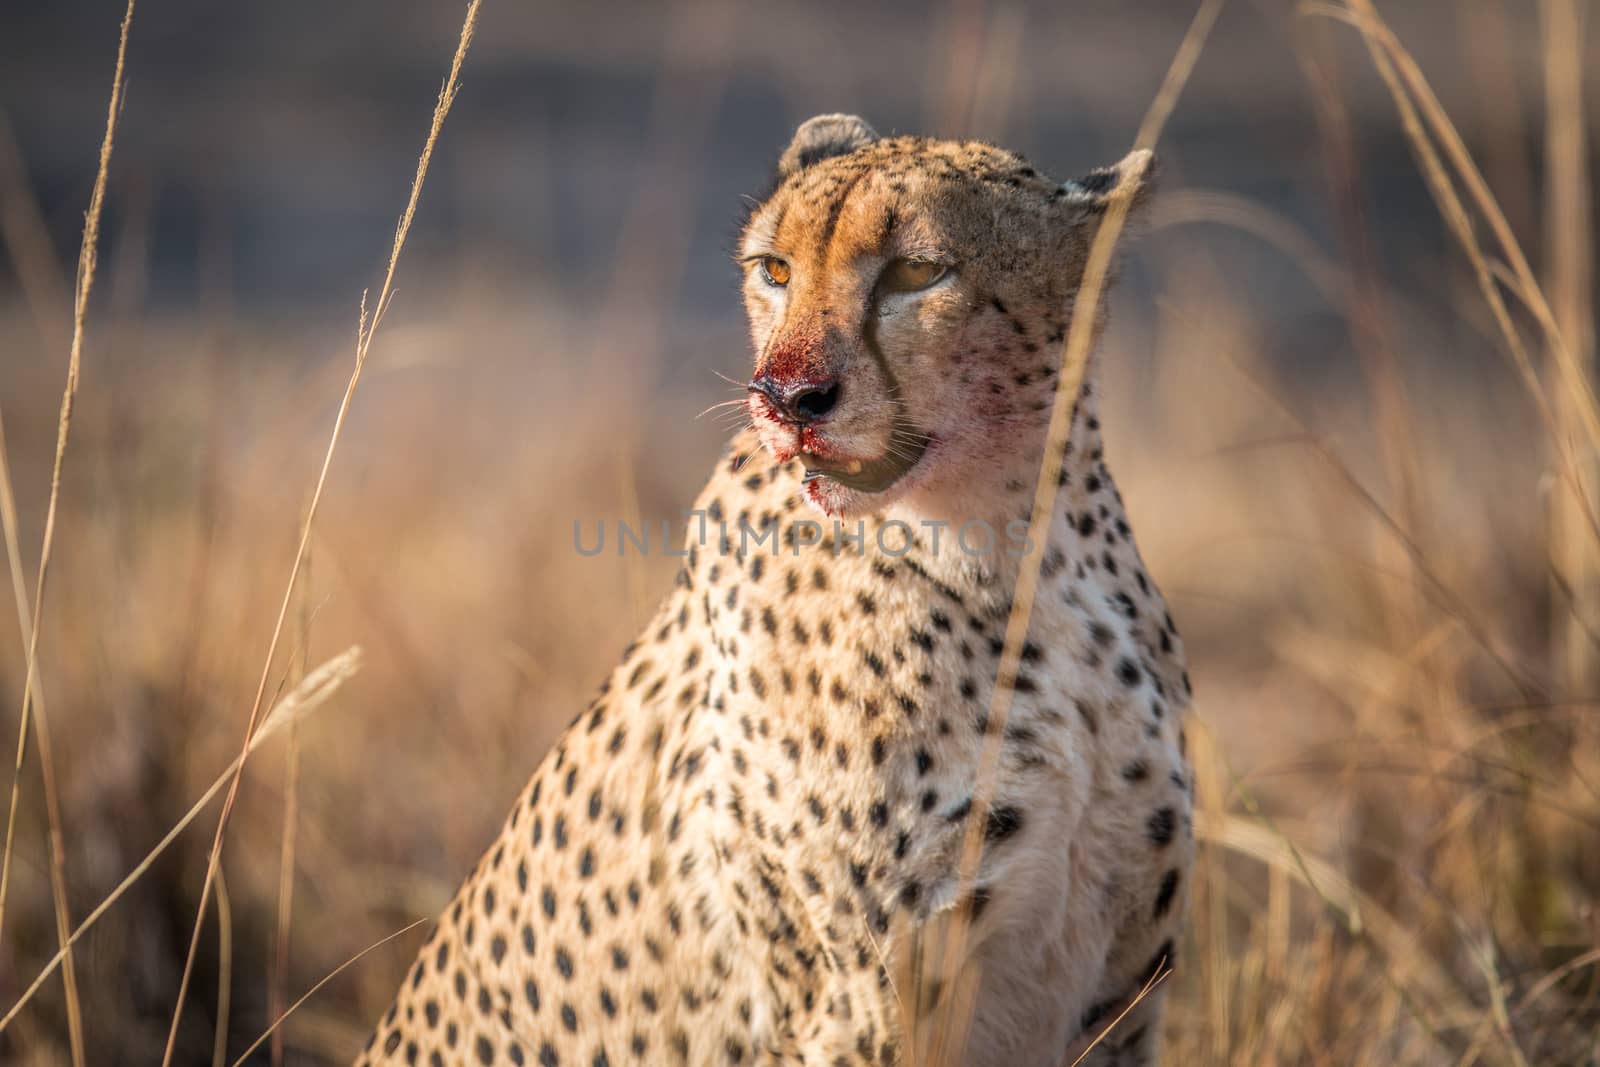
column 909, row 275
column 775, row 271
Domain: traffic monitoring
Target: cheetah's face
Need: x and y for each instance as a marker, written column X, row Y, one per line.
column 907, row 298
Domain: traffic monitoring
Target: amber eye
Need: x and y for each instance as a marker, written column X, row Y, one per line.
column 909, row 275
column 775, row 271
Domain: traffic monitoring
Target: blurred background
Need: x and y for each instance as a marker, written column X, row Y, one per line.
column 1376, row 530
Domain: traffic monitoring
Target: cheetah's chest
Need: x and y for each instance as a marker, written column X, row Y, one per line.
column 845, row 713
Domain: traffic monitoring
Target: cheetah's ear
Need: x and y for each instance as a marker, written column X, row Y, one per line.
column 1132, row 178
column 824, row 136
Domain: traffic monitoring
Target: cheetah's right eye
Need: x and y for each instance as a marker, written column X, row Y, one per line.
column 775, row 271
column 909, row 275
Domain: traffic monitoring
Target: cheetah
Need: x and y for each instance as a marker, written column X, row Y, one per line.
column 740, row 849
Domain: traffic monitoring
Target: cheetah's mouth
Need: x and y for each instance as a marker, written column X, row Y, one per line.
column 906, row 448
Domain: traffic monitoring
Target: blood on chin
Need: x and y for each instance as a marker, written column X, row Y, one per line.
column 827, row 496
column 841, row 502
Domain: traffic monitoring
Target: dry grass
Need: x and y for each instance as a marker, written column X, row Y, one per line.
column 32, row 701
column 366, row 329
column 1394, row 631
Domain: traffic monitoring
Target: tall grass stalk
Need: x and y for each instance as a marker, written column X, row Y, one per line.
column 88, row 255
column 278, row 979
column 219, row 1039
column 1568, row 226
column 1435, row 140
column 364, row 333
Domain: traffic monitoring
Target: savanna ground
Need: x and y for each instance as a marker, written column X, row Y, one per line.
column 1354, row 425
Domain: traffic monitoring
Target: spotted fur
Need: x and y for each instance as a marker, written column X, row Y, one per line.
column 741, row 850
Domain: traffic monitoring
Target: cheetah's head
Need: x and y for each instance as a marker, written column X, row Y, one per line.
column 907, row 299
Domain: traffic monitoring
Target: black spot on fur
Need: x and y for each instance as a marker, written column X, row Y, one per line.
column 1169, row 889
column 1003, row 822
column 1162, row 824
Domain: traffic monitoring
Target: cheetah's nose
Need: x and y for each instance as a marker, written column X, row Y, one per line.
column 798, row 402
